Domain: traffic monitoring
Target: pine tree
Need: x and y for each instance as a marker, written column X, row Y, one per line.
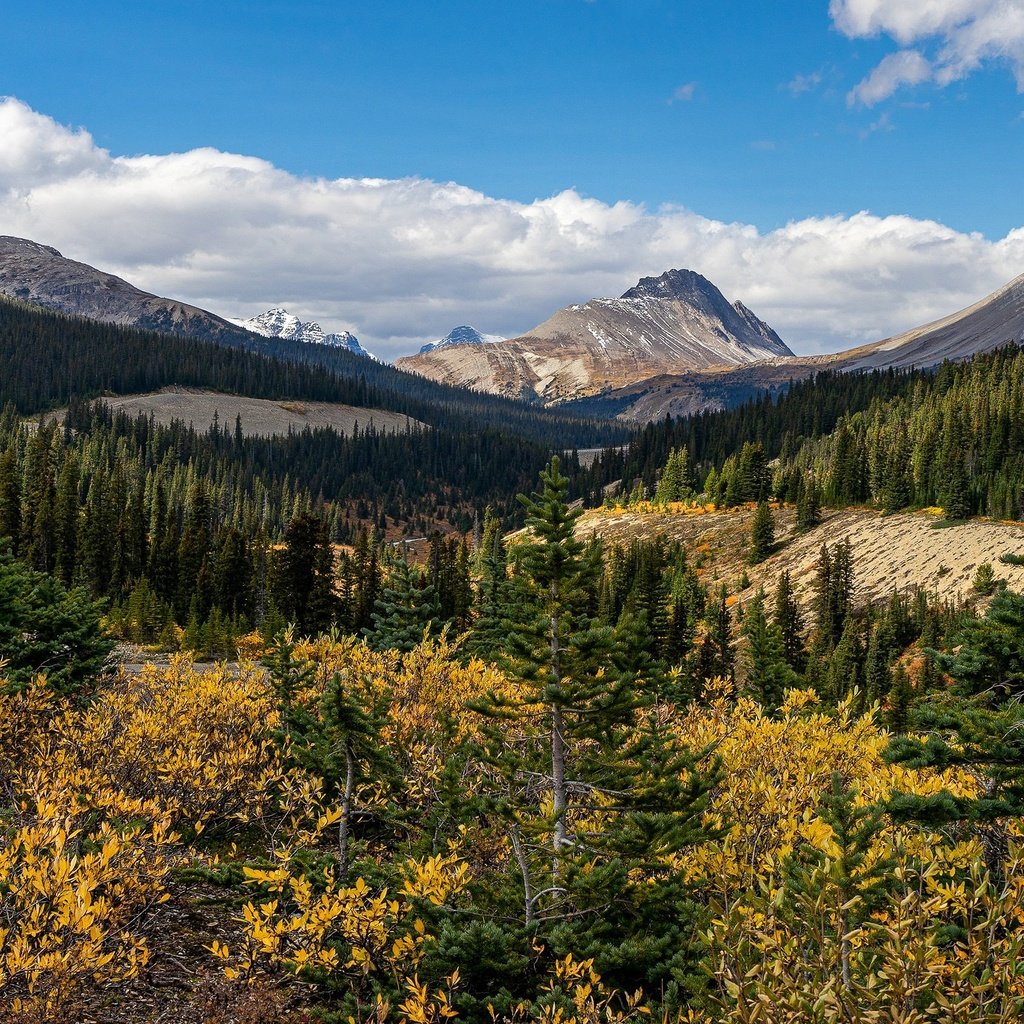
column 833, row 592
column 714, row 657
column 405, row 611
column 302, row 575
column 840, row 888
column 901, row 697
column 582, row 743
column 808, row 508
column 768, row 676
column 674, row 484
column 844, row 673
column 762, row 534
column 489, row 638
column 48, row 629
column 787, row 617
column 10, row 498
column 978, row 725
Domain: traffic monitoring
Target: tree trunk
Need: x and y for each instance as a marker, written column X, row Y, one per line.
column 344, row 825
column 524, row 868
column 558, row 790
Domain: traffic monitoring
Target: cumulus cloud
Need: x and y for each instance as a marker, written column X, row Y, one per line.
column 907, row 67
column 684, row 93
column 963, row 33
column 402, row 261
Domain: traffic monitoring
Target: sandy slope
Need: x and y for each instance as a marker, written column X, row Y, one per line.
column 895, row 553
column 890, row 552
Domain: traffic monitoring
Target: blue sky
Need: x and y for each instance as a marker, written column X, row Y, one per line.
column 522, row 100
column 740, row 111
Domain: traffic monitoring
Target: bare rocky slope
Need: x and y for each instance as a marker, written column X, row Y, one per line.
column 622, row 380
column 669, row 324
column 41, row 275
column 891, row 553
column 989, row 323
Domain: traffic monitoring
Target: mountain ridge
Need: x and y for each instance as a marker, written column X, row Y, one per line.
column 41, row 275
column 678, row 321
column 277, row 322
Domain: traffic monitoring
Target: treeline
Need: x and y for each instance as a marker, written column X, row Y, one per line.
column 805, row 409
column 953, row 439
column 49, row 359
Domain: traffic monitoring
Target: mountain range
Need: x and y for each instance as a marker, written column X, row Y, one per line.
column 40, row 275
column 670, row 345
column 279, row 323
column 674, row 323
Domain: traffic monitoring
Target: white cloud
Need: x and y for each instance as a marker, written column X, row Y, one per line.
column 684, row 93
column 964, row 34
column 800, row 84
column 402, row 261
column 907, row 67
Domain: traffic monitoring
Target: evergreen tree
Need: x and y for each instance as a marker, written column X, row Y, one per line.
column 768, row 676
column 808, row 508
column 674, row 484
column 10, row 498
column 405, row 611
column 583, row 743
column 978, row 725
column 787, row 617
column 490, row 631
column 714, row 656
column 47, row 629
column 302, row 575
column 762, row 533
column 901, row 697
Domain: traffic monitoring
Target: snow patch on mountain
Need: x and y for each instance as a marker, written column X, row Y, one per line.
column 279, row 323
column 464, row 335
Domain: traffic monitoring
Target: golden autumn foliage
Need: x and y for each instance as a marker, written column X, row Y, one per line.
column 103, row 802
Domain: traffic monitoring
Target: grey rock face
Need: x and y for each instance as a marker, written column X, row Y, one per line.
column 41, row 275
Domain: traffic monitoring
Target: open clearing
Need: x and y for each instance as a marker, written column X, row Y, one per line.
column 890, row 553
column 260, row 417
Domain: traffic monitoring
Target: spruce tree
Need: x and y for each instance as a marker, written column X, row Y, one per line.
column 714, row 656
column 10, row 498
column 302, row 575
column 768, row 676
column 762, row 533
column 575, row 741
column 978, row 725
column 48, row 629
column 406, row 610
column 808, row 508
column 787, row 617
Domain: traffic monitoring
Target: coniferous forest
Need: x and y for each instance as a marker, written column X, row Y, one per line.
column 367, row 728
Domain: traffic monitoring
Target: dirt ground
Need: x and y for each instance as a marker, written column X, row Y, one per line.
column 890, row 553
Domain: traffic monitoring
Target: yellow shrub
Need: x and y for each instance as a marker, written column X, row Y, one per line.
column 196, row 743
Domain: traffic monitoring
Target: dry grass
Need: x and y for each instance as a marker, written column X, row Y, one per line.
column 260, row 417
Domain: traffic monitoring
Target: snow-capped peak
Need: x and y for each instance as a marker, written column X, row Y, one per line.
column 464, row 335
column 279, row 323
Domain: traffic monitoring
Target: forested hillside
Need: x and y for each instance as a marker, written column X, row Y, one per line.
column 557, row 820
column 953, row 438
column 50, row 359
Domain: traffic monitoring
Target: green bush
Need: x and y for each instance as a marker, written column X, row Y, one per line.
column 45, row 628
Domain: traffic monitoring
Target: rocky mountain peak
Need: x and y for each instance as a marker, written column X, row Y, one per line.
column 462, row 335
column 279, row 323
